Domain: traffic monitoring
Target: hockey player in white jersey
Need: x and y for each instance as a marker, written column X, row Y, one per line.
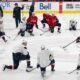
column 22, row 27
column 78, row 66
column 72, row 25
column 2, row 33
column 44, row 59
column 20, row 53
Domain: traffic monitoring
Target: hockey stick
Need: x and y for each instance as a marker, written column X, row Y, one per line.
column 69, row 44
column 72, row 71
column 31, row 69
column 15, row 37
column 41, row 30
column 44, row 32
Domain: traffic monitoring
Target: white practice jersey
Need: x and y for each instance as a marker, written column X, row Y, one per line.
column 21, row 49
column 79, row 60
column 1, row 25
column 22, row 25
column 44, row 57
column 73, row 23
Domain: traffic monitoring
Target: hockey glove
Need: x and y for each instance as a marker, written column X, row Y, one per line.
column 78, row 39
column 38, row 65
column 78, row 67
column 37, row 26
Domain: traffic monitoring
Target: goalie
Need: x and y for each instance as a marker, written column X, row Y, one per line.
column 73, row 25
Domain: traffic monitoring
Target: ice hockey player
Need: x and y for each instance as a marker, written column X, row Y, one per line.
column 1, row 12
column 73, row 25
column 31, row 21
column 18, row 55
column 78, row 40
column 17, row 13
column 78, row 66
column 31, row 10
column 44, row 59
column 22, row 27
column 52, row 21
column 2, row 33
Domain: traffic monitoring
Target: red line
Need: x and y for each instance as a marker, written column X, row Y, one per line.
column 60, row 7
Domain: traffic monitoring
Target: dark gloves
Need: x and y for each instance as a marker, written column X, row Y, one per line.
column 13, row 16
column 78, row 67
column 37, row 26
column 78, row 39
column 38, row 65
column 25, row 47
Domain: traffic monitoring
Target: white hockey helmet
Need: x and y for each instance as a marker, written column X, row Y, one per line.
column 42, row 47
column 24, row 18
column 24, row 43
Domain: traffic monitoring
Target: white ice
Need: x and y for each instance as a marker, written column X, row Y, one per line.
column 66, row 60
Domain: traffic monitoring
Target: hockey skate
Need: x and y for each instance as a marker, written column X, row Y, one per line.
column 43, row 73
column 29, row 67
column 52, row 68
column 31, row 34
column 59, row 31
column 4, row 68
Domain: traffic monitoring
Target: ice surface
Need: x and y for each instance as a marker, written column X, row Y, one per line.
column 66, row 59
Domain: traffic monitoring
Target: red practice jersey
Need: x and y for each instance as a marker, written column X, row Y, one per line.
column 33, row 20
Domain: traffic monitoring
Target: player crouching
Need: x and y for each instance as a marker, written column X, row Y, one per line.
column 31, row 22
column 19, row 55
column 44, row 59
column 52, row 21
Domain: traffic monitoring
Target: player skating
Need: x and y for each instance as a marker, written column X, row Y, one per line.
column 44, row 59
column 20, row 53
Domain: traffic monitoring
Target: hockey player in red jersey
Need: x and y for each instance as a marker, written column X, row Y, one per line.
column 31, row 21
column 52, row 21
